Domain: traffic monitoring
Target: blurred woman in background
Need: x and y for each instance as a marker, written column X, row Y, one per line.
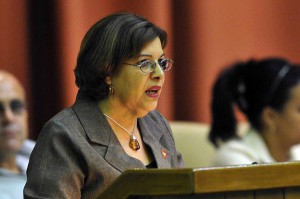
column 268, row 93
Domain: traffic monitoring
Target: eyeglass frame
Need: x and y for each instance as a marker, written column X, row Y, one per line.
column 154, row 62
column 16, row 106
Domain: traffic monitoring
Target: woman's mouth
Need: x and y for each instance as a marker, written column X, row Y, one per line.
column 153, row 91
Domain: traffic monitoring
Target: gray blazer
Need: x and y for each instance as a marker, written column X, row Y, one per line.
column 77, row 154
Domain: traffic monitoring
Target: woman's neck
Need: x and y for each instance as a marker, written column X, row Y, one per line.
column 117, row 112
column 276, row 147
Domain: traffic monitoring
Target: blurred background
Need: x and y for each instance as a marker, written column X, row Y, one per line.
column 40, row 39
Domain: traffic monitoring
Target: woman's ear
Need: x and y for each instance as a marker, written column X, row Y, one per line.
column 269, row 117
column 108, row 80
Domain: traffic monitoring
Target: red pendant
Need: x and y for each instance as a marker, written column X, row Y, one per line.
column 133, row 143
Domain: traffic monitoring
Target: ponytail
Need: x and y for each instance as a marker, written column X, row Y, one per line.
column 223, row 119
column 252, row 86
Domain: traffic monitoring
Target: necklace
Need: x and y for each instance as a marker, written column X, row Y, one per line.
column 133, row 142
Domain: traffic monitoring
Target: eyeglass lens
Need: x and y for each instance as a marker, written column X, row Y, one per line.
column 149, row 65
column 16, row 106
column 163, row 64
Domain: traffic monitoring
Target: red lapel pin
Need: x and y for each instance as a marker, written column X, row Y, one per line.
column 164, row 153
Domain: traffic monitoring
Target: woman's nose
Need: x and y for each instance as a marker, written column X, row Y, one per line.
column 158, row 72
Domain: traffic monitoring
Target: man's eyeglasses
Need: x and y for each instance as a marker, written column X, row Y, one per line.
column 16, row 106
column 148, row 66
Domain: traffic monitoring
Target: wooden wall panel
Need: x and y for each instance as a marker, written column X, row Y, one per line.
column 270, row 194
column 292, row 193
column 240, row 195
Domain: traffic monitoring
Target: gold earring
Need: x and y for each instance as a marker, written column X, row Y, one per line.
column 111, row 89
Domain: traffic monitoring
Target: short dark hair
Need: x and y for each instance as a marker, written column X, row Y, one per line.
column 252, row 86
column 107, row 44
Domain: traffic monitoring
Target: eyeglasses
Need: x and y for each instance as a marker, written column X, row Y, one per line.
column 148, row 66
column 16, row 106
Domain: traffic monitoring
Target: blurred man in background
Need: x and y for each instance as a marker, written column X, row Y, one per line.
column 15, row 149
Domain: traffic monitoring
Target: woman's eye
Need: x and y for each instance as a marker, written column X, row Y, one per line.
column 143, row 62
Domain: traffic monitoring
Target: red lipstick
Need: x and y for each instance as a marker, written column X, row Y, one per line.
column 153, row 91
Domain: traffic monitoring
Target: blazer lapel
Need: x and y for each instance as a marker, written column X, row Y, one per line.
column 99, row 131
column 93, row 122
column 117, row 157
column 152, row 135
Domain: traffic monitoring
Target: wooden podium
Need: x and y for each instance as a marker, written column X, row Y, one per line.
column 258, row 181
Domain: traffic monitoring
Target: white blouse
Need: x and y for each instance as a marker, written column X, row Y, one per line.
column 247, row 150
